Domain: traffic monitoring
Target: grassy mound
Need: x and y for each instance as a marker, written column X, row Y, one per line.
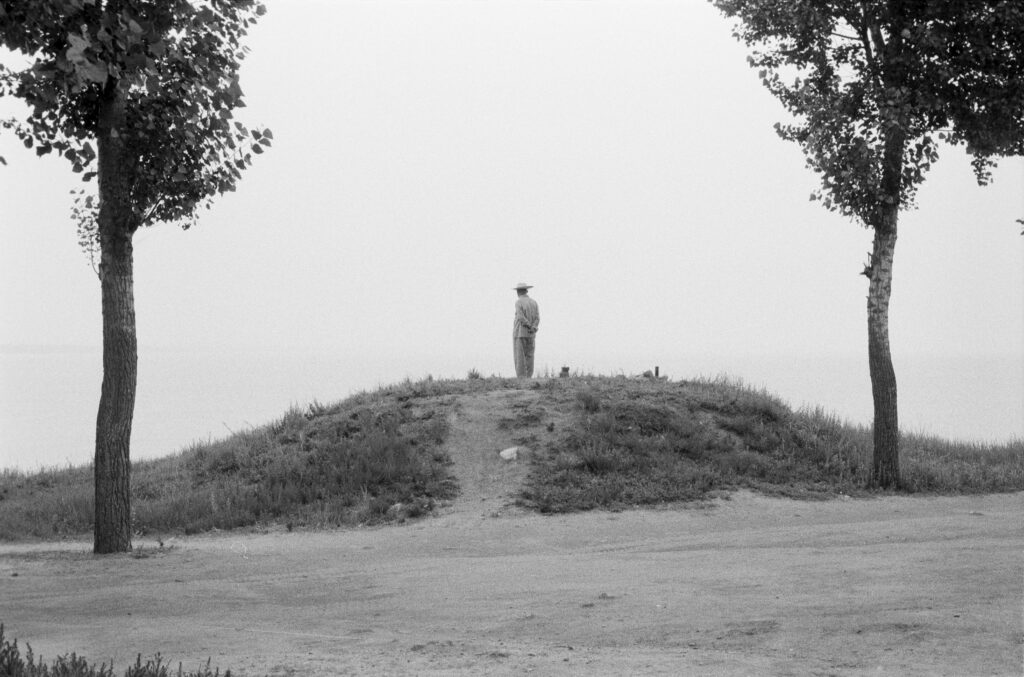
column 599, row 442
column 641, row 441
column 374, row 457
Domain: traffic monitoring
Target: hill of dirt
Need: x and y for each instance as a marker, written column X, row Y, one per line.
column 742, row 585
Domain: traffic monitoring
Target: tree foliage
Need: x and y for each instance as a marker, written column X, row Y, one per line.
column 852, row 72
column 175, row 61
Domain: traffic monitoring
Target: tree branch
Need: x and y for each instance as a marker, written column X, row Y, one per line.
column 152, row 210
column 863, row 31
column 876, row 38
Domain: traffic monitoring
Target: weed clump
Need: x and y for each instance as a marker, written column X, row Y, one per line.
column 13, row 664
column 589, row 400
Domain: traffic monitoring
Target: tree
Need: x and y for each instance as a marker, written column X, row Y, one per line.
column 874, row 86
column 140, row 95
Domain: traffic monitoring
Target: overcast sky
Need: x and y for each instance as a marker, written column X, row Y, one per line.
column 428, row 155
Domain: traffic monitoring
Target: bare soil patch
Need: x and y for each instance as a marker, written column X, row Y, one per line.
column 744, row 585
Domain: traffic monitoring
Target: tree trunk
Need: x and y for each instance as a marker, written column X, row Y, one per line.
column 112, row 469
column 885, row 462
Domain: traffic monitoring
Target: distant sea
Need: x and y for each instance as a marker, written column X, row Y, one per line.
column 48, row 396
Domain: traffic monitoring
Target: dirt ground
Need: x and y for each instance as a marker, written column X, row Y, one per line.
column 745, row 586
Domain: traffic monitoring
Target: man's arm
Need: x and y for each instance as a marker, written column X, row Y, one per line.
column 527, row 314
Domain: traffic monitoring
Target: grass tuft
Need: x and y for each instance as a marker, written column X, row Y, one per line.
column 589, row 400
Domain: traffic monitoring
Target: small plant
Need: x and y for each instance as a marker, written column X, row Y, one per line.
column 601, row 459
column 315, row 410
column 473, row 374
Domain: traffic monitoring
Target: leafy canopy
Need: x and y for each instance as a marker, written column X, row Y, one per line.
column 857, row 74
column 176, row 63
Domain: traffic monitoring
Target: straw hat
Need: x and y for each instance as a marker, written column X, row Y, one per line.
column 523, row 285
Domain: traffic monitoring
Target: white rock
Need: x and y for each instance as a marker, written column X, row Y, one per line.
column 509, row 454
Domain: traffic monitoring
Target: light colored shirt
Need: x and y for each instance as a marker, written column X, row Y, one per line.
column 527, row 318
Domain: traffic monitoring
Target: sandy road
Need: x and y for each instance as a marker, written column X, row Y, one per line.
column 746, row 586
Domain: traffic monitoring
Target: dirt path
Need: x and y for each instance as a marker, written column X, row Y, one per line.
column 484, row 425
column 487, row 482
column 751, row 585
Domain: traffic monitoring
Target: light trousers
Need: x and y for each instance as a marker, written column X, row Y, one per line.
column 522, row 351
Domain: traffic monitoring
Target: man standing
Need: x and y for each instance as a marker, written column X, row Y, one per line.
column 524, row 331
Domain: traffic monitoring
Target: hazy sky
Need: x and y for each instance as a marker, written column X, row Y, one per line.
column 428, row 155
